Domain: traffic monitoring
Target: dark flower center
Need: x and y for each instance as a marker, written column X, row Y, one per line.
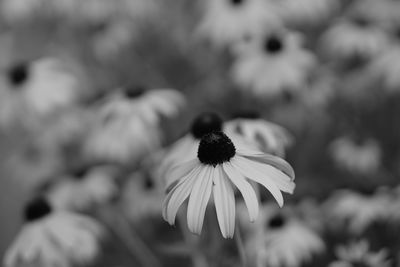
column 276, row 222
column 36, row 209
column 236, row 2
column 148, row 183
column 361, row 22
column 79, row 173
column 18, row 74
column 206, row 123
column 134, row 91
column 215, row 148
column 273, row 44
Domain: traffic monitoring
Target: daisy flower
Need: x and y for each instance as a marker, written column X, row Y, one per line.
column 355, row 211
column 305, row 11
column 269, row 137
column 218, row 168
column 355, row 157
column 385, row 68
column 147, row 104
column 54, row 238
column 227, row 21
column 281, row 239
column 354, row 38
column 128, row 124
column 359, row 254
column 33, row 90
column 270, row 65
column 84, row 189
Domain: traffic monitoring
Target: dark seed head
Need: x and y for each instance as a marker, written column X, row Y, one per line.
column 215, row 148
column 80, row 172
column 148, row 183
column 236, row 2
column 134, row 91
column 18, row 74
column 361, row 22
column 276, row 221
column 273, row 44
column 206, row 123
column 37, row 209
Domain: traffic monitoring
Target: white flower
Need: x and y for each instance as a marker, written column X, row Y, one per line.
column 219, row 168
column 228, row 21
column 385, row 68
column 362, row 158
column 354, row 38
column 148, row 105
column 84, row 189
column 51, row 238
column 128, row 125
column 36, row 89
column 273, row 64
column 355, row 211
column 281, row 239
column 305, row 11
column 269, row 137
column 359, row 254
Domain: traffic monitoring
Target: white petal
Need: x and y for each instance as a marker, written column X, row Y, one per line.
column 277, row 162
column 178, row 195
column 179, row 171
column 199, row 198
column 259, row 177
column 281, row 180
column 247, row 191
column 224, row 199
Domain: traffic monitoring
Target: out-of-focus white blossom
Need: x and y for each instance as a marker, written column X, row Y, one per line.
column 359, row 254
column 225, row 22
column 54, row 238
column 356, row 212
column 279, row 238
column 362, row 158
column 270, row 65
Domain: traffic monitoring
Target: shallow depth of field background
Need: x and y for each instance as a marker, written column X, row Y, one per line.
column 161, row 49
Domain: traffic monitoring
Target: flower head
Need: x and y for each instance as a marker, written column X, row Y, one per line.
column 127, row 126
column 364, row 157
column 30, row 91
column 269, row 65
column 228, row 21
column 356, row 211
column 220, row 165
column 359, row 254
column 280, row 238
column 83, row 189
column 269, row 137
column 54, row 238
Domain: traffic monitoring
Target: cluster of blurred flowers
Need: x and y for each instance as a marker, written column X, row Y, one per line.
column 118, row 114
